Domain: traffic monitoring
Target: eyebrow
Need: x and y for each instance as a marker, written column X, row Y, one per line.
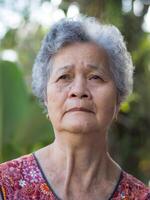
column 99, row 68
column 68, row 67
column 95, row 67
column 65, row 68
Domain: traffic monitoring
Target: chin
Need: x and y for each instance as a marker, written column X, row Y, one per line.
column 79, row 125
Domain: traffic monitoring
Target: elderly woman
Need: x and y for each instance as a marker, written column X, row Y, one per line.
column 82, row 73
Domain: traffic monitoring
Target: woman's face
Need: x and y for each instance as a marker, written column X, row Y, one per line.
column 81, row 95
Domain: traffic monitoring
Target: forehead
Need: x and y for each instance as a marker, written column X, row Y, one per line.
column 88, row 54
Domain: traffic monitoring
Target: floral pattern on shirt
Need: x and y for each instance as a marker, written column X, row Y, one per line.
column 22, row 179
column 130, row 188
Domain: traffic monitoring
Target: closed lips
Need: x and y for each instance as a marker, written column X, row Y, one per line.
column 79, row 109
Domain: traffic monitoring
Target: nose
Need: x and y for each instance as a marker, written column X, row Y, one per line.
column 79, row 89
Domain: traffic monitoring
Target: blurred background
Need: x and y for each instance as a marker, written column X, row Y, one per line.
column 23, row 124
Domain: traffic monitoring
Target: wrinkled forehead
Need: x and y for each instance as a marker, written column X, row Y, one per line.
column 87, row 55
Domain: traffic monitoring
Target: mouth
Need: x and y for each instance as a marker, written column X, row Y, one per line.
column 81, row 109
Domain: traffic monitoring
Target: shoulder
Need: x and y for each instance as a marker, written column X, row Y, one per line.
column 14, row 170
column 21, row 177
column 15, row 174
column 130, row 186
column 16, row 161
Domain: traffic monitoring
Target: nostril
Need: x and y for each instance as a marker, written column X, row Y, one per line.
column 80, row 96
column 73, row 95
column 84, row 96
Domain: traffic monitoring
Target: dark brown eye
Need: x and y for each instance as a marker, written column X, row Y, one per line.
column 95, row 77
column 64, row 77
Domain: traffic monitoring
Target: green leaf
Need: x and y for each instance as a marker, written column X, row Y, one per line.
column 23, row 127
column 13, row 102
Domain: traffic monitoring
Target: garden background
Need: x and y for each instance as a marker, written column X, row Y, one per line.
column 23, row 125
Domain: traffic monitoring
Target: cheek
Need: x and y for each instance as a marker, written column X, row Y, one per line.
column 53, row 93
column 106, row 102
column 109, row 101
column 55, row 99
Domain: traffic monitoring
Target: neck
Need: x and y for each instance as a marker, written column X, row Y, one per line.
column 84, row 158
column 83, row 149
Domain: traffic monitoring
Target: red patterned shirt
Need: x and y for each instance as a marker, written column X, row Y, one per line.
column 23, row 179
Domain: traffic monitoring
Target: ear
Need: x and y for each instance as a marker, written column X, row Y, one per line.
column 116, row 111
column 46, row 107
column 45, row 100
column 117, row 107
column 45, row 103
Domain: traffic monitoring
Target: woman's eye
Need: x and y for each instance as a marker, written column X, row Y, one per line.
column 95, row 77
column 64, row 77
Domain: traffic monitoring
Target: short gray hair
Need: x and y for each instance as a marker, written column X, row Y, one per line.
column 85, row 29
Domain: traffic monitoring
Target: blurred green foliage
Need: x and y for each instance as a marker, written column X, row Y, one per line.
column 23, row 126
